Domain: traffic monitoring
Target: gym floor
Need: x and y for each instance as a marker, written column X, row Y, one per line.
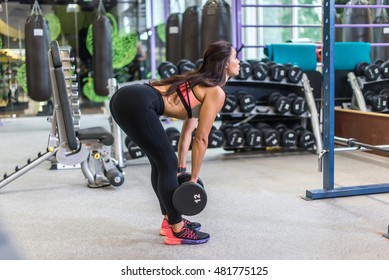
column 256, row 207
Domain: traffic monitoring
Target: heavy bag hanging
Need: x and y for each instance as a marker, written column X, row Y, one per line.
column 102, row 52
column 191, row 27
column 381, row 35
column 215, row 23
column 36, row 36
column 357, row 16
column 173, row 38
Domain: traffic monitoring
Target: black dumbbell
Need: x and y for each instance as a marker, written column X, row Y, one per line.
column 370, row 72
column 133, row 149
column 216, row 138
column 305, row 138
column 253, row 136
column 298, row 104
column 280, row 102
column 174, row 136
column 277, row 71
column 167, row 69
column 383, row 66
column 199, row 63
column 288, row 137
column 377, row 102
column 385, row 94
column 190, row 198
column 185, row 65
column 271, row 137
column 244, row 70
column 233, row 135
column 230, row 103
column 260, row 70
column 246, row 101
column 294, row 73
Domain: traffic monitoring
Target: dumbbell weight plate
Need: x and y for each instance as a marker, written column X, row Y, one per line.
column 295, row 74
column 277, row 71
column 372, row 72
column 271, row 137
column 384, row 69
column 189, row 199
column 359, row 68
column 185, row 65
column 260, row 71
column 230, row 103
column 253, row 136
column 244, row 71
column 305, row 138
column 299, row 105
column 280, row 103
column 199, row 63
column 134, row 150
column 174, row 136
column 246, row 101
column 216, row 138
column 167, row 69
column 288, row 136
column 376, row 101
column 185, row 177
column 234, row 136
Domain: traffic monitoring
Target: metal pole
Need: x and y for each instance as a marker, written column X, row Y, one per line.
column 238, row 23
column 152, row 44
column 328, row 92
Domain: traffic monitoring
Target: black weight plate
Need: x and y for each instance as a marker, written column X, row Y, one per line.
column 189, row 199
column 185, row 177
column 295, row 74
column 384, row 68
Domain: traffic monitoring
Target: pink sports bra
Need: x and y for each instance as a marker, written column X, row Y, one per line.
column 189, row 100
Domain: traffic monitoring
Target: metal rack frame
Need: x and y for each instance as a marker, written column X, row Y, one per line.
column 326, row 157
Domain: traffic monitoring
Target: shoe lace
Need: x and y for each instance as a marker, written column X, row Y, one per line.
column 188, row 234
column 186, row 222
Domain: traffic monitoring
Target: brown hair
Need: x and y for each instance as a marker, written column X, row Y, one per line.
column 212, row 71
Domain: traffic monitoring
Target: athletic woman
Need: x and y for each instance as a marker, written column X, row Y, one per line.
column 196, row 97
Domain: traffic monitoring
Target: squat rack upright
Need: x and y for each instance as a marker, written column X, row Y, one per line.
column 326, row 157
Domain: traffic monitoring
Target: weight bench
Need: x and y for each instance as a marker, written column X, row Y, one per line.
column 89, row 146
column 68, row 144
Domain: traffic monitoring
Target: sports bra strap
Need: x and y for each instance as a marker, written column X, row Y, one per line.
column 185, row 101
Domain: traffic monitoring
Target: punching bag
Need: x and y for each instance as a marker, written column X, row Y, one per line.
column 357, row 16
column 191, row 27
column 36, row 36
column 102, row 52
column 173, row 38
column 381, row 35
column 215, row 23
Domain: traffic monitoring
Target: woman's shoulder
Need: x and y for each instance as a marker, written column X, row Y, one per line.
column 212, row 93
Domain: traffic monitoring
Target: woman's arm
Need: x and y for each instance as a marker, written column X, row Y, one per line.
column 212, row 104
column 185, row 139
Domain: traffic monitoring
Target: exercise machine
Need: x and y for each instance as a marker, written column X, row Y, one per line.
column 68, row 144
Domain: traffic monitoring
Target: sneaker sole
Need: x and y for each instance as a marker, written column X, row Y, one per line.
column 177, row 241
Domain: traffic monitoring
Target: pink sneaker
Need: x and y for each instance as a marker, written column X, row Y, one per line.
column 165, row 226
column 186, row 236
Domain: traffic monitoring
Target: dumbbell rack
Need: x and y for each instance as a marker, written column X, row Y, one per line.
column 261, row 89
column 360, row 86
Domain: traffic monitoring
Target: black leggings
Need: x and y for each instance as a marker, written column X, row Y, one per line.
column 136, row 109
